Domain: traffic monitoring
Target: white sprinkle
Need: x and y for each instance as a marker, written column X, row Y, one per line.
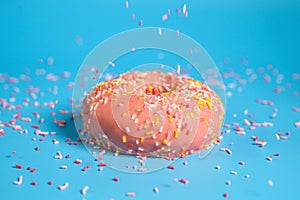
column 161, row 129
column 164, row 17
column 20, row 180
column 55, row 141
column 84, row 190
column 111, row 63
column 218, row 167
column 63, row 187
column 64, row 167
column 247, row 176
column 277, row 136
column 159, row 31
column 155, row 190
column 127, row 129
column 133, row 116
column 270, row 182
column 233, row 172
column 178, row 69
column 58, row 156
column 184, row 9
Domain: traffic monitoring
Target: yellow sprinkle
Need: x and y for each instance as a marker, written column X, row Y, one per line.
column 200, row 102
column 150, row 88
column 149, row 133
column 108, row 144
column 209, row 106
column 142, row 139
column 176, row 133
column 165, row 141
column 124, row 114
column 124, row 140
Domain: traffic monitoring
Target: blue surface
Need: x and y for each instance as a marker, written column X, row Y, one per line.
column 261, row 32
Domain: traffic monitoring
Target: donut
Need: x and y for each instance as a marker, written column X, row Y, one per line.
column 152, row 114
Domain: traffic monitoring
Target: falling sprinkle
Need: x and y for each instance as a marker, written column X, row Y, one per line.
column 63, row 187
column 270, row 182
column 155, row 190
column 84, row 190
column 130, row 194
column 19, row 181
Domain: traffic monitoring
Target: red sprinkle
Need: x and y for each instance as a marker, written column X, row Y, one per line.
column 35, row 126
column 33, row 183
column 242, row 163
column 115, row 179
column 36, row 148
column 33, row 170
column 18, row 166
column 102, row 165
column 183, row 181
column 171, row 167
column 276, row 154
column 225, row 195
column 77, row 161
column 50, row 182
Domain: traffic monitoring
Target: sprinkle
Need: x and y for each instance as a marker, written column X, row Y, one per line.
column 164, row 17
column 178, row 69
column 165, row 141
column 233, row 173
column 159, row 31
column 19, row 181
column 18, row 166
column 184, row 181
column 228, row 151
column 84, row 190
column 171, row 167
column 270, row 158
column 184, row 9
column 225, row 195
column 111, row 64
column 63, row 187
column 242, row 163
column 260, row 143
column 33, row 183
column 218, row 167
column 127, row 129
column 155, row 190
column 130, row 194
column 126, row 4
column 58, row 156
column 64, row 167
column 78, row 161
column 228, row 182
column 116, row 179
column 270, row 182
column 50, row 183
column 124, row 140
column 247, row 176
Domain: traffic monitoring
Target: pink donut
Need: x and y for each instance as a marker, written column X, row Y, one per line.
column 152, row 114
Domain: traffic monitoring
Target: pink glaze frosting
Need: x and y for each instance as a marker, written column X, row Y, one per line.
column 152, row 114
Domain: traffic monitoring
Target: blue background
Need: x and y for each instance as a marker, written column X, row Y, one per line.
column 263, row 32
